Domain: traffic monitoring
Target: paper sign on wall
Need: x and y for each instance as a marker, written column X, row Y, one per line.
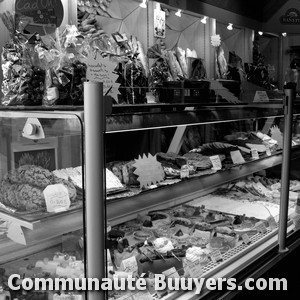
column 56, row 197
column 101, row 69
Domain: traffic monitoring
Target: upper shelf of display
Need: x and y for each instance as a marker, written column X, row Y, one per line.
column 155, row 116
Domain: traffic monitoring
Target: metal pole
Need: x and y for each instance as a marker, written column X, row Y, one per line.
column 94, row 122
column 285, row 168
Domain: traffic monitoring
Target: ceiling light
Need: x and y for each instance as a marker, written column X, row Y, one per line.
column 284, row 34
column 229, row 27
column 178, row 13
column 203, row 20
column 260, row 33
column 143, row 4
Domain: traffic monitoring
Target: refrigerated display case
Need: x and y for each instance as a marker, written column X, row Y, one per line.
column 36, row 242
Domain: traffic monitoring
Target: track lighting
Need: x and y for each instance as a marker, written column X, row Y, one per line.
column 203, row 20
column 144, row 4
column 178, row 13
column 229, row 27
column 260, row 33
column 284, row 34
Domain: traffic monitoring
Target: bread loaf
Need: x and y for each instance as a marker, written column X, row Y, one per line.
column 22, row 188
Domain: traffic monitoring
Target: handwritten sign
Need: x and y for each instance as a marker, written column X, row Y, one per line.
column 254, row 154
column 101, row 69
column 142, row 295
column 216, row 162
column 195, row 270
column 43, row 17
column 261, row 227
column 261, row 96
column 149, row 170
column 56, row 197
column 171, row 273
column 237, row 157
column 130, row 265
column 246, row 239
column 216, row 255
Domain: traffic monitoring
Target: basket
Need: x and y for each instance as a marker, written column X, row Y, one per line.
column 185, row 92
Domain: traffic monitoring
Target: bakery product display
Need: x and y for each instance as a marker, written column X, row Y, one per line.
column 22, row 188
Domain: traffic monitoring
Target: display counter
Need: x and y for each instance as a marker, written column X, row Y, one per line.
column 54, row 138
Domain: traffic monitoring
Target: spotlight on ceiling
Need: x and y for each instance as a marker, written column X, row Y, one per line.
column 260, row 33
column 178, row 13
column 203, row 20
column 230, row 26
column 144, row 4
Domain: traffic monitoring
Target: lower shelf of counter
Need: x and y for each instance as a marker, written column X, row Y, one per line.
column 257, row 258
column 11, row 251
column 24, row 241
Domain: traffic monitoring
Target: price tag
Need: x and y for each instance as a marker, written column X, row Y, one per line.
column 195, row 270
column 184, row 172
column 216, row 162
column 272, row 222
column 171, row 273
column 293, row 196
column 268, row 151
column 261, row 96
column 129, row 265
column 261, row 227
column 142, row 295
column 57, row 198
column 296, row 221
column 237, row 157
column 216, row 255
column 67, row 297
column 246, row 239
column 254, row 154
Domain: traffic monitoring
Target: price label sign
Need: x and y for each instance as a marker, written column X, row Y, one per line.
column 142, row 295
column 272, row 222
column 296, row 221
column 261, row 96
column 195, row 270
column 130, row 265
column 237, row 157
column 171, row 273
column 268, row 151
column 216, row 255
column 246, row 239
column 57, row 198
column 216, row 162
column 254, row 154
column 261, row 227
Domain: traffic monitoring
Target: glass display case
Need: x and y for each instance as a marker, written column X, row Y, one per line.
column 41, row 202
column 187, row 193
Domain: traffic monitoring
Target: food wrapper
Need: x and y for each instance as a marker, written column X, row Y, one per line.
column 65, row 73
column 133, row 82
column 11, row 57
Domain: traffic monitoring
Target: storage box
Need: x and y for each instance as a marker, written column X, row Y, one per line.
column 185, row 92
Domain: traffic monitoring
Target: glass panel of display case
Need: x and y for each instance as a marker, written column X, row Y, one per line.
column 41, row 199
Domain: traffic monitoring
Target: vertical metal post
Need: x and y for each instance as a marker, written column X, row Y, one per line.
column 94, row 123
column 285, row 168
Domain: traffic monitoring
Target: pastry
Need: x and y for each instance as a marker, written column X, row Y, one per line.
column 196, row 254
column 142, row 235
column 163, row 245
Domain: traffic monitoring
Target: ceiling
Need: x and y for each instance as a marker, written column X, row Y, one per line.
column 260, row 10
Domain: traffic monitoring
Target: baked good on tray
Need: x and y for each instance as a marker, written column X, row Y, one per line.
column 22, row 188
